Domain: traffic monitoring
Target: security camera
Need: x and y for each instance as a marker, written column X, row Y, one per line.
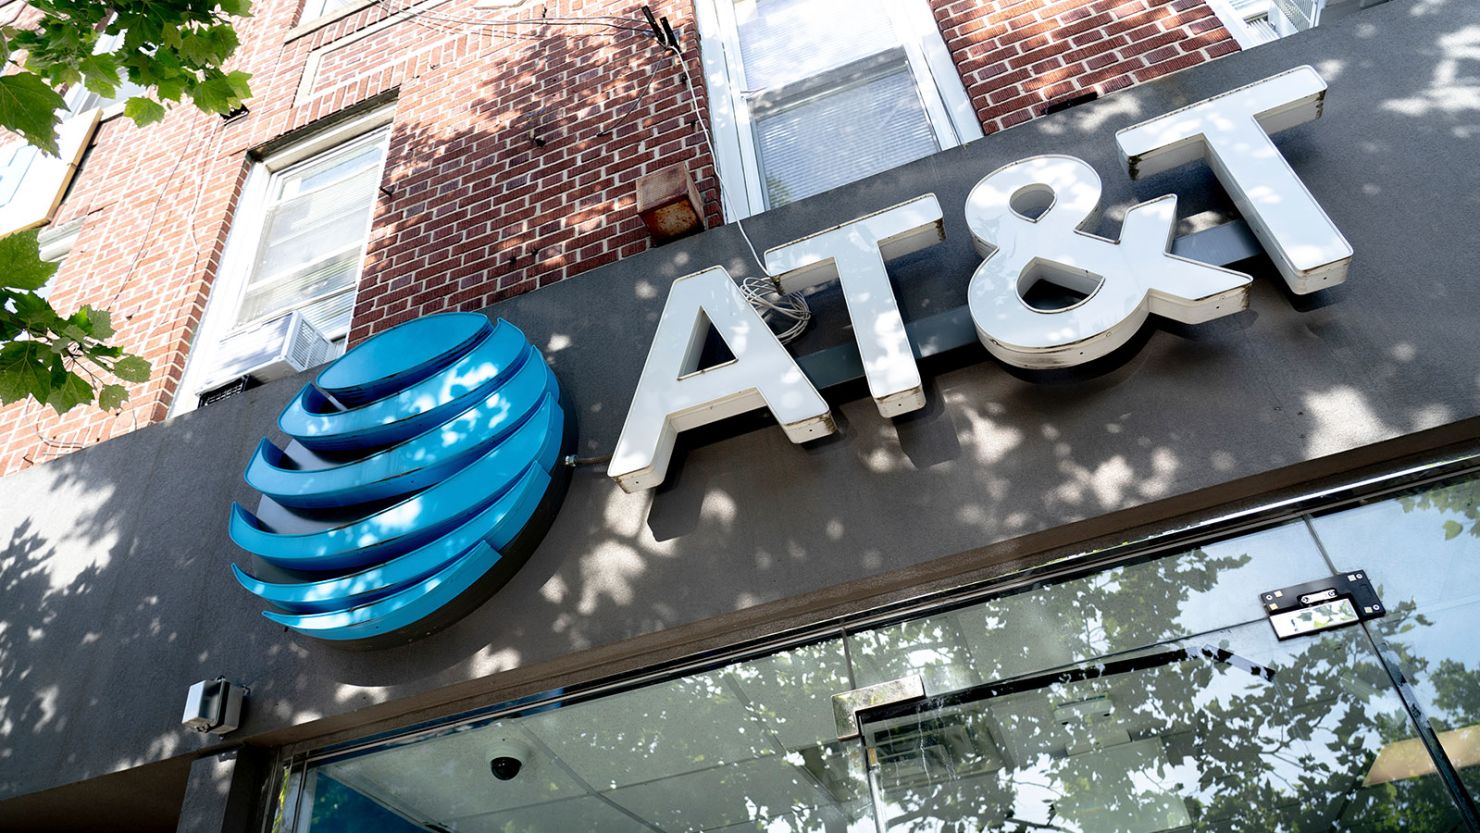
column 507, row 758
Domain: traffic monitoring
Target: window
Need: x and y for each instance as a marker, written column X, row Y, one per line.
column 32, row 183
column 297, row 245
column 1256, row 22
column 809, row 95
column 314, row 9
column 314, row 228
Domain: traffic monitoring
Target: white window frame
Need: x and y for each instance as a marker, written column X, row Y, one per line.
column 247, row 226
column 323, row 10
column 1235, row 18
column 947, row 106
column 56, row 244
column 39, row 193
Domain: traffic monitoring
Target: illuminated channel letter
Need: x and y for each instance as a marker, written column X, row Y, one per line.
column 674, row 395
column 1232, row 130
column 1123, row 282
column 854, row 254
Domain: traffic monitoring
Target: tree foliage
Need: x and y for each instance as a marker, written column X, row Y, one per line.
column 174, row 51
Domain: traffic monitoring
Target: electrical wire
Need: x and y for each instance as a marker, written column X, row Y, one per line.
column 777, row 307
column 147, row 238
column 764, row 294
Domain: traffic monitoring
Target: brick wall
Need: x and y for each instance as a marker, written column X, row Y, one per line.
column 512, row 158
column 1017, row 57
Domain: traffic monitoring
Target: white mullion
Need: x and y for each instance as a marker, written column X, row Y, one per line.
column 726, row 33
column 262, row 282
column 224, row 301
column 946, row 101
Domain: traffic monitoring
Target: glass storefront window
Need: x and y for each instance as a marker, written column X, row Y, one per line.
column 1153, row 696
column 1111, row 611
column 1423, row 552
column 751, row 746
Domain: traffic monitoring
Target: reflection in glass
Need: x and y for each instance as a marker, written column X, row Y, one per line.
column 1179, row 742
column 1422, row 551
column 1154, row 696
column 746, row 747
column 1128, row 607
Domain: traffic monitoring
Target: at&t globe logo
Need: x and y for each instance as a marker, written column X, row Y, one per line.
column 424, row 468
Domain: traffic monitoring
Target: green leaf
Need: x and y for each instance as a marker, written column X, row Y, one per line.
column 131, row 369
column 21, row 266
column 111, row 397
column 237, row 8
column 216, row 95
column 69, row 392
column 30, row 108
column 238, row 82
column 210, row 46
column 25, row 370
column 1452, row 529
column 100, row 71
column 34, row 312
column 96, row 323
column 143, row 110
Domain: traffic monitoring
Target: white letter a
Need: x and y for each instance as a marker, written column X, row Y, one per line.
column 674, row 395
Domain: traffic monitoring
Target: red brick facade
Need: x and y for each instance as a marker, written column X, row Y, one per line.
column 512, row 160
column 1018, row 56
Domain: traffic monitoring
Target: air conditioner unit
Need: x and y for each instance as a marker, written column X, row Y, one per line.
column 281, row 347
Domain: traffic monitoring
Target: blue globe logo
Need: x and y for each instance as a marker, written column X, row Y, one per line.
column 423, row 470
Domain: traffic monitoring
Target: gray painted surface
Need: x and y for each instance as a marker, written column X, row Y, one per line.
column 224, row 793
column 114, row 588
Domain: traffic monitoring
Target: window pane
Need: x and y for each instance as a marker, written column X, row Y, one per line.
column 1117, row 610
column 748, row 747
column 786, row 40
column 314, row 238
column 332, row 274
column 1092, row 704
column 1174, row 741
column 15, row 160
column 337, row 167
column 843, row 136
column 1422, row 552
column 332, row 234
column 297, row 216
column 319, row 8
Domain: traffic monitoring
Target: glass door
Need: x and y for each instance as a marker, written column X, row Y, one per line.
column 1152, row 697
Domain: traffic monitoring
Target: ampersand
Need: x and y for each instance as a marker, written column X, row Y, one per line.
column 1123, row 281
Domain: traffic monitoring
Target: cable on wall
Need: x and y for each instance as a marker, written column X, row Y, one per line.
column 764, row 294
column 787, row 311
